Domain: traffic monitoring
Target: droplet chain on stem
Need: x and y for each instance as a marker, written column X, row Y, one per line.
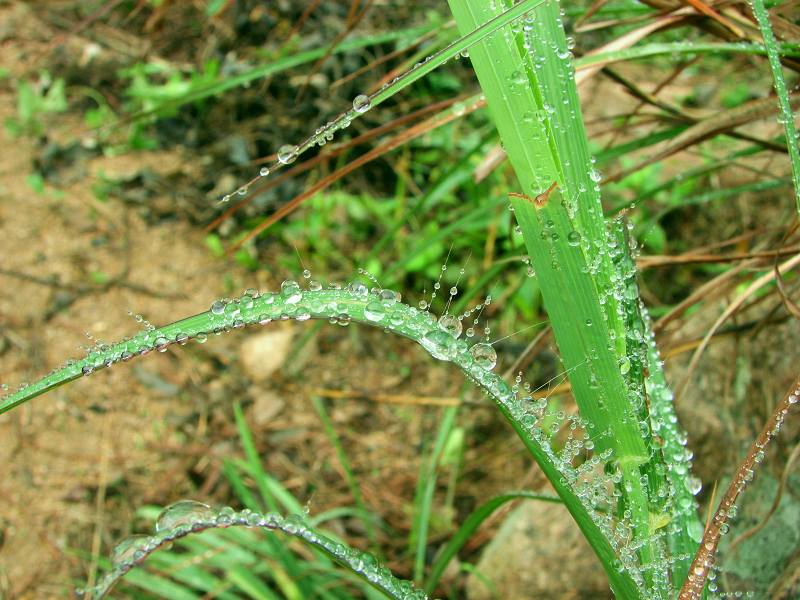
column 288, row 153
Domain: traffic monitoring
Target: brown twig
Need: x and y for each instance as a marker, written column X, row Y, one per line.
column 309, row 10
column 397, row 141
column 704, row 559
column 790, row 304
column 655, row 260
column 705, row 9
column 730, row 310
column 775, row 502
column 323, row 156
column 354, row 17
column 385, row 58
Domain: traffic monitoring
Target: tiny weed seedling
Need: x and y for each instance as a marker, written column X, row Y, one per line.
column 620, row 467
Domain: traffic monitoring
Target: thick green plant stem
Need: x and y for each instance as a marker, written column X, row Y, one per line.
column 677, row 517
column 357, row 304
column 527, row 77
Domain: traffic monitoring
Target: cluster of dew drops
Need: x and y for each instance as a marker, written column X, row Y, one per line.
column 439, row 342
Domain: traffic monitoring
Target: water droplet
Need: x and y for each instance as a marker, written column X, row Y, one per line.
column 624, row 365
column 484, row 355
column 693, row 485
column 161, row 344
column 225, row 516
column 359, row 289
column 218, row 307
column 388, row 297
column 361, row 103
column 183, row 512
column 573, row 238
column 290, row 290
column 181, row 339
column 374, row 311
column 306, row 274
column 287, row 154
column 518, row 78
column 201, row 337
column 246, row 301
column 263, row 171
column 125, row 551
column 451, row 324
column 440, row 344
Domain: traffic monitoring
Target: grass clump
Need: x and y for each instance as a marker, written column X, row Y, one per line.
column 622, row 469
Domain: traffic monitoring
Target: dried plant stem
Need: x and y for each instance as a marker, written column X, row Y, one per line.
column 704, row 559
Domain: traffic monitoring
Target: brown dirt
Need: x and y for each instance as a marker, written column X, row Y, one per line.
column 75, row 464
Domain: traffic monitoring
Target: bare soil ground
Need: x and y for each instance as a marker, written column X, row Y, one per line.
column 75, row 464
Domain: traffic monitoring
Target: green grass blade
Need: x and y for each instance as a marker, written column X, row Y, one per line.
column 423, row 497
column 240, row 489
column 267, row 488
column 470, row 525
column 273, row 493
column 253, row 458
column 352, row 482
column 189, row 570
column 468, row 40
column 255, row 588
column 787, row 118
column 460, row 173
column 160, row 586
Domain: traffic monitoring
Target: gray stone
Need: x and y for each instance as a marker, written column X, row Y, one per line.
column 538, row 552
column 263, row 353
